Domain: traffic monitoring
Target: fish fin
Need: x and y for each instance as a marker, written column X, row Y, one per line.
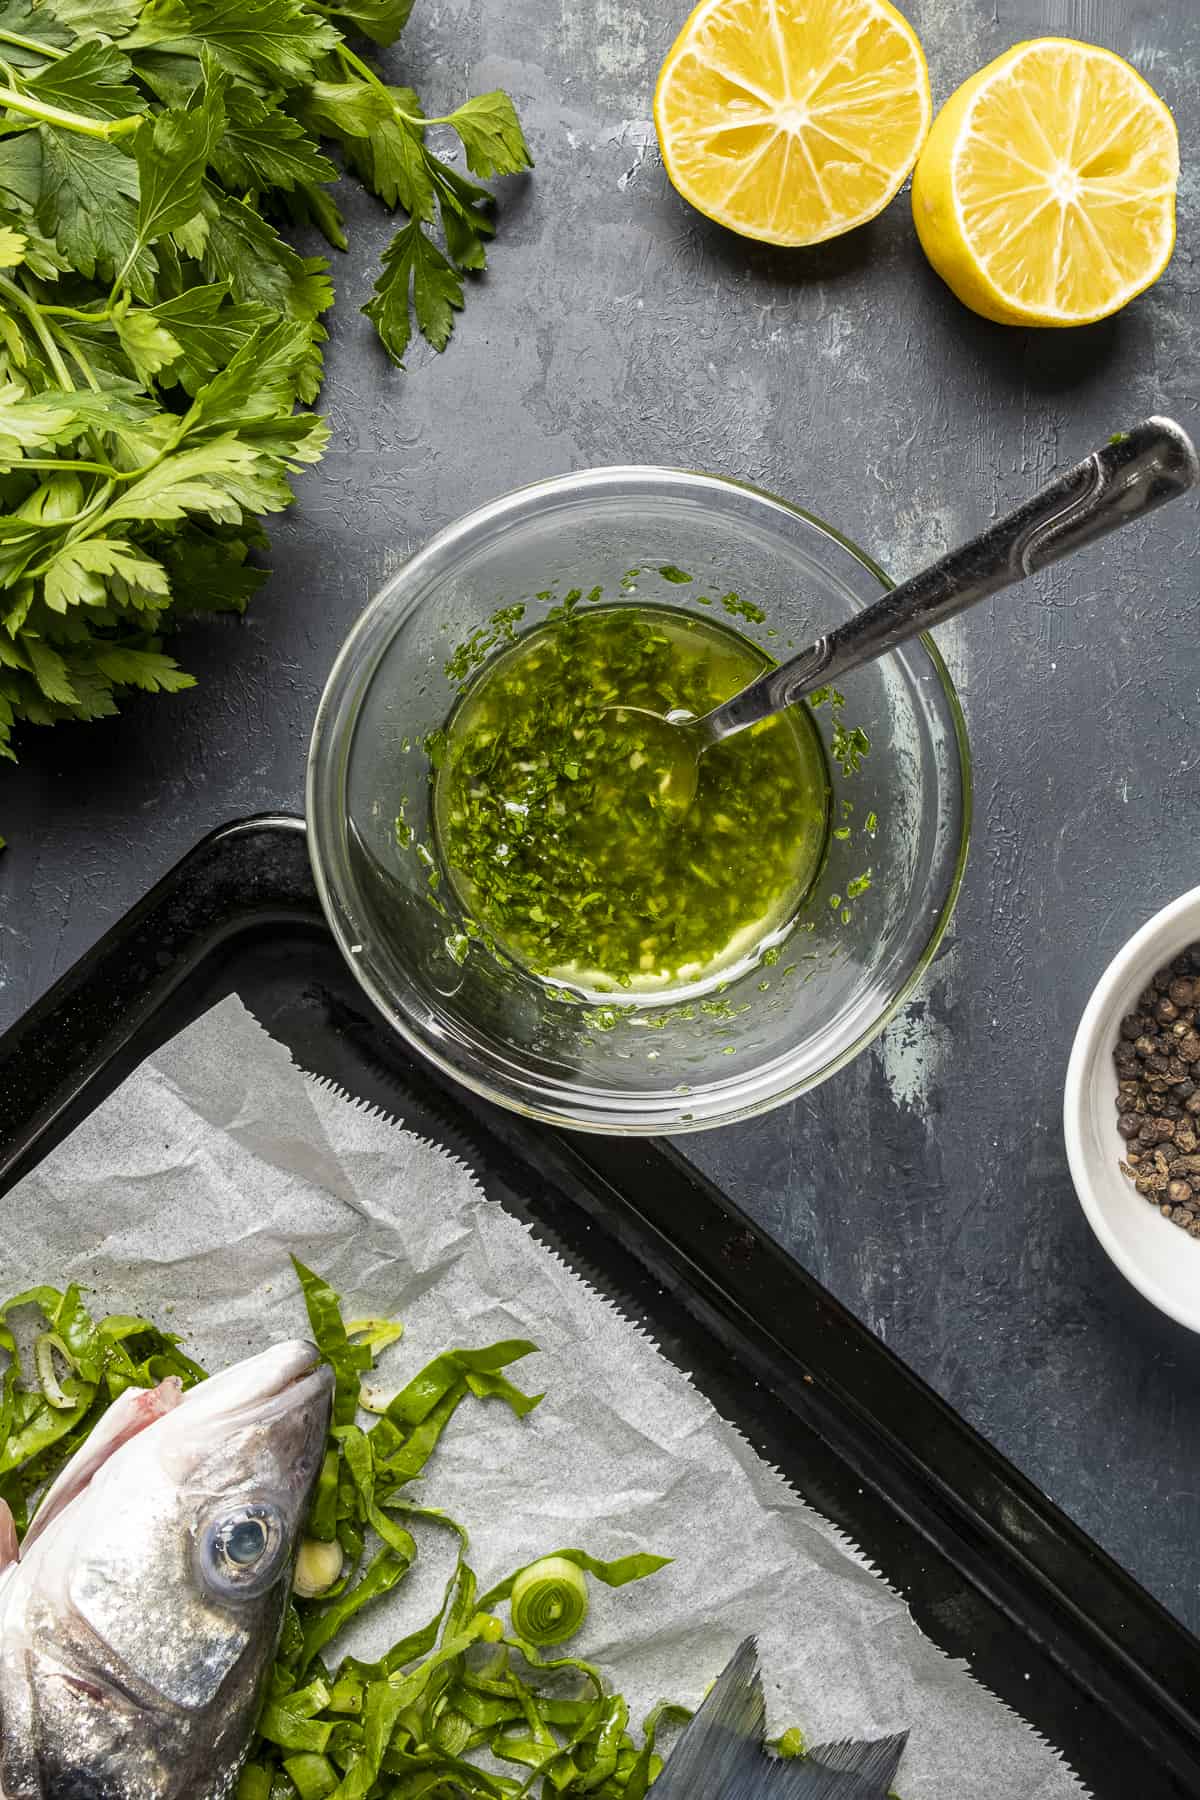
column 129, row 1414
column 720, row 1753
column 9, row 1548
column 874, row 1764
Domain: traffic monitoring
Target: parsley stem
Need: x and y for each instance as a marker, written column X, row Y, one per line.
column 77, row 357
column 349, row 60
column 70, row 121
column 75, row 312
column 48, row 340
column 34, row 44
column 83, row 468
column 33, row 313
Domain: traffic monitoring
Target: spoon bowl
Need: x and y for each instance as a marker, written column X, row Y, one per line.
column 670, row 740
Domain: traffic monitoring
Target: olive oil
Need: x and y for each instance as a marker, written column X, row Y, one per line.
column 551, row 814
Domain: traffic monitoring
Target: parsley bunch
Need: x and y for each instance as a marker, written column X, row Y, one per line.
column 157, row 332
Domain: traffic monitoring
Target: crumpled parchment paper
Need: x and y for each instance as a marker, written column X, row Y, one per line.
column 184, row 1193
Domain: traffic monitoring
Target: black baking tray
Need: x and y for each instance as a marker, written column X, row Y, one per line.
column 992, row 1570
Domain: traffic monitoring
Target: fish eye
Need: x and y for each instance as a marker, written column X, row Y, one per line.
column 246, row 1542
column 242, row 1550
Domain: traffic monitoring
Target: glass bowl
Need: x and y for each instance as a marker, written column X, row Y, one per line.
column 869, row 925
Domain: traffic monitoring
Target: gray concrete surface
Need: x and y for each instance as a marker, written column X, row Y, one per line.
column 927, row 1184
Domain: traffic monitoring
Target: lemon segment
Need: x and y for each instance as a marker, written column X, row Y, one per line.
column 1045, row 194
column 792, row 121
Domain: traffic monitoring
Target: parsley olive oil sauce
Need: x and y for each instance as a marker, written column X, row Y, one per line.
column 554, row 820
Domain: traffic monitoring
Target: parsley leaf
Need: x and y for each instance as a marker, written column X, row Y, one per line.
column 111, row 18
column 74, row 575
column 309, row 205
column 92, row 79
column 381, row 20
column 49, row 670
column 172, row 156
column 59, row 415
column 148, row 344
column 259, row 382
column 263, row 147
column 414, row 267
column 208, row 568
column 147, row 668
column 372, row 123
column 209, row 329
column 243, row 249
column 223, row 477
column 30, row 20
column 465, row 217
column 491, row 135
column 394, row 166
column 13, row 245
column 279, row 41
column 21, row 169
column 88, row 201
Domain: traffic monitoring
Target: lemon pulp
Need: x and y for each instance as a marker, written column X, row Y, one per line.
column 792, row 120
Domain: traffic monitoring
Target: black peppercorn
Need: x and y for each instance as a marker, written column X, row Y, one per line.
column 1157, row 1102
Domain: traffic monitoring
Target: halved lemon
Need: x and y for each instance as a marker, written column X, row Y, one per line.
column 792, row 120
column 1046, row 192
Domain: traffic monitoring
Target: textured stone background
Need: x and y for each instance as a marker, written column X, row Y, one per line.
column 927, row 1184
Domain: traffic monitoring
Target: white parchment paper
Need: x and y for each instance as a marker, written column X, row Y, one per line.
column 182, row 1197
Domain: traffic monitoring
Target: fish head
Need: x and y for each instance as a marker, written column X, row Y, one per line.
column 175, row 1555
column 147, row 1610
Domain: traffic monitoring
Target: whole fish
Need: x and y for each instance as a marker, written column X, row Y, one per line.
column 721, row 1754
column 139, row 1622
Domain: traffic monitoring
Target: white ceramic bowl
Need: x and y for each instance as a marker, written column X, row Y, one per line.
column 1160, row 1260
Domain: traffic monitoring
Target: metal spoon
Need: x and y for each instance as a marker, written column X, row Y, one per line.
column 1119, row 483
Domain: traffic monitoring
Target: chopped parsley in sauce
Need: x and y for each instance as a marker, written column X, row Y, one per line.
column 550, row 809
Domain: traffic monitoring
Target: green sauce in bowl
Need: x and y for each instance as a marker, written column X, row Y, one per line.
column 554, row 820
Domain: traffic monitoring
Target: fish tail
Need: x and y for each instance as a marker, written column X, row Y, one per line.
column 721, row 1751
column 721, row 1754
column 844, row 1771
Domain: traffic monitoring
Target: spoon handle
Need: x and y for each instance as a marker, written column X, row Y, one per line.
column 1119, row 483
